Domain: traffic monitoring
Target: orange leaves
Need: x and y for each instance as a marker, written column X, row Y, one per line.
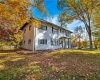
column 17, row 12
column 13, row 3
column 13, row 14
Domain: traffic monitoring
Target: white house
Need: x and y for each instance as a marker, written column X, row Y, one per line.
column 48, row 36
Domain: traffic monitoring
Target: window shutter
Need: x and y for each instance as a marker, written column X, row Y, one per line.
column 51, row 41
column 46, row 41
column 38, row 41
column 46, row 27
column 52, row 29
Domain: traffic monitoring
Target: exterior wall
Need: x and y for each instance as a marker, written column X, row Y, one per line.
column 35, row 34
column 47, row 34
column 29, row 34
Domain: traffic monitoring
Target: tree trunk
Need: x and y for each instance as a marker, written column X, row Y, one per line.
column 90, row 39
column 79, row 44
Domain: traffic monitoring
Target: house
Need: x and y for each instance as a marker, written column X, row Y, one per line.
column 47, row 36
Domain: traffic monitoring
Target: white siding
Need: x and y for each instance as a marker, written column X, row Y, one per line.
column 35, row 34
column 47, row 34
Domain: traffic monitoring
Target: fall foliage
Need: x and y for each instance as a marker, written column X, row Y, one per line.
column 82, row 10
column 56, row 65
column 13, row 14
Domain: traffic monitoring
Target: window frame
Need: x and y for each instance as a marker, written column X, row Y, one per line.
column 54, row 31
column 61, row 31
column 55, row 42
column 29, row 41
column 43, row 27
column 24, row 41
column 67, row 34
column 29, row 27
column 24, row 30
column 42, row 41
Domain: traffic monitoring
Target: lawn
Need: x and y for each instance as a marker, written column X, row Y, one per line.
column 59, row 65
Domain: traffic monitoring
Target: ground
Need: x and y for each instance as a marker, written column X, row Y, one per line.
column 59, row 65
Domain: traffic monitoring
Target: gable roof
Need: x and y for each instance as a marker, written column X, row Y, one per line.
column 47, row 23
column 24, row 26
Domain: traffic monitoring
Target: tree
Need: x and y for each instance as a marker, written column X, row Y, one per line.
column 85, row 43
column 96, row 28
column 80, row 10
column 78, row 33
column 73, row 40
column 13, row 14
column 96, row 37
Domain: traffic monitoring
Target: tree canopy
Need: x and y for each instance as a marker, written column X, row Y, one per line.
column 14, row 13
column 82, row 10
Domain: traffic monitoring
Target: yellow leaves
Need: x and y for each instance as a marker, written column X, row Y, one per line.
column 13, row 3
column 1, row 67
column 4, row 12
column 36, row 22
column 17, row 10
column 14, row 9
column 2, row 44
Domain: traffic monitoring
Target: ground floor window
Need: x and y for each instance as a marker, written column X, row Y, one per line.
column 55, row 42
column 29, row 41
column 24, row 41
column 42, row 41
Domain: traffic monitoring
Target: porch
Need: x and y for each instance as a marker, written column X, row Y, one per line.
column 65, row 42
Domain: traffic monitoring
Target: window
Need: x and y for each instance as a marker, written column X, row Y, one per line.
column 29, row 41
column 24, row 41
column 54, row 30
column 24, row 30
column 61, row 31
column 43, row 27
column 29, row 27
column 42, row 41
column 55, row 42
column 67, row 34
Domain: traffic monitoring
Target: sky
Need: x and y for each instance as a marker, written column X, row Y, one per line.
column 51, row 6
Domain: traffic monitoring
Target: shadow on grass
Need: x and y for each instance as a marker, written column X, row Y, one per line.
column 76, row 65
column 18, row 67
column 60, row 65
column 7, row 51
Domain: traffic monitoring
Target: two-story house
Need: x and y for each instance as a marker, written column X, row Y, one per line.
column 47, row 36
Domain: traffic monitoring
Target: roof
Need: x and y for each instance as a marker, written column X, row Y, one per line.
column 47, row 23
column 23, row 26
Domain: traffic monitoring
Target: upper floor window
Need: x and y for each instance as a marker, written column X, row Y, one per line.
column 61, row 31
column 29, row 41
column 24, row 30
column 67, row 34
column 54, row 30
column 29, row 27
column 55, row 42
column 43, row 27
column 42, row 41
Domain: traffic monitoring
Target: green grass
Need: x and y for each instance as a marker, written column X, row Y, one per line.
column 60, row 65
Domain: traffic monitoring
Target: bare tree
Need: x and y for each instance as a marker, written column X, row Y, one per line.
column 78, row 33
